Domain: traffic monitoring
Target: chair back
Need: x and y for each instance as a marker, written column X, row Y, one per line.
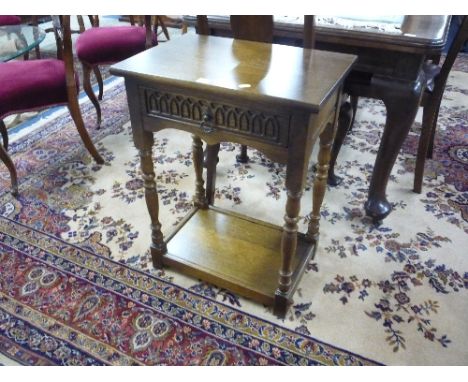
column 149, row 22
column 457, row 44
column 253, row 28
column 62, row 31
column 258, row 28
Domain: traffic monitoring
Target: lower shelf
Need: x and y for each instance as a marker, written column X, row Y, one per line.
column 234, row 252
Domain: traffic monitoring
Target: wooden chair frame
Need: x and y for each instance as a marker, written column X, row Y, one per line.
column 87, row 69
column 64, row 44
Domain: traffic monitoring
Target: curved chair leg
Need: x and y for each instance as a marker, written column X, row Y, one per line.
column 37, row 49
column 97, row 73
column 4, row 132
column 34, row 22
column 24, row 42
column 76, row 115
column 89, row 91
column 211, row 162
column 11, row 168
column 80, row 23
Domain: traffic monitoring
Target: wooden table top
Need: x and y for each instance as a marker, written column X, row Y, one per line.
column 416, row 33
column 291, row 76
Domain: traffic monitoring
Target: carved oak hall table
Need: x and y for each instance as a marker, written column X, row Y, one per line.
column 277, row 99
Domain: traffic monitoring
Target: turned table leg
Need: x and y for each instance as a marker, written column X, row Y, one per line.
column 144, row 142
column 197, row 156
column 242, row 157
column 320, row 181
column 288, row 251
column 296, row 171
column 211, row 162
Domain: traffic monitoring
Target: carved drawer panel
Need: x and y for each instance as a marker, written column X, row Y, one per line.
column 212, row 116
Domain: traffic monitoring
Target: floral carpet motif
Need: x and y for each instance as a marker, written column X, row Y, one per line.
column 77, row 285
column 60, row 304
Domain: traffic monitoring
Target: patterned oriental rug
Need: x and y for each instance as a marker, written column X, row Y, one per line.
column 77, row 286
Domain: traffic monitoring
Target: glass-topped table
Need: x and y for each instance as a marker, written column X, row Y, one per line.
column 17, row 40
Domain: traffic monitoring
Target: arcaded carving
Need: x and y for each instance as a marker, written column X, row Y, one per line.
column 273, row 128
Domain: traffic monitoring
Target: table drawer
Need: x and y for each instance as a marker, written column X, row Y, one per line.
column 216, row 117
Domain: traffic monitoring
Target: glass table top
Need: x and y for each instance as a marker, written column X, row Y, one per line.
column 16, row 40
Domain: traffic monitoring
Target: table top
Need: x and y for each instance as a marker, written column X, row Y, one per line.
column 418, row 33
column 258, row 71
column 16, row 40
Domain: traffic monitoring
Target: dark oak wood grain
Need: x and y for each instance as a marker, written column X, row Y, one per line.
column 431, row 100
column 289, row 76
column 278, row 99
column 258, row 28
column 236, row 252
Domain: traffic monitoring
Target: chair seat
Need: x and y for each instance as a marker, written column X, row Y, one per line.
column 106, row 45
column 32, row 84
column 10, row 20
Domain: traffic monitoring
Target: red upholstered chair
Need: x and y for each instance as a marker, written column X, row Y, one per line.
column 9, row 20
column 81, row 28
column 107, row 45
column 37, row 84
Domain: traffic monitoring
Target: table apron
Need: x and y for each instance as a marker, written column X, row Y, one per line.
column 267, row 130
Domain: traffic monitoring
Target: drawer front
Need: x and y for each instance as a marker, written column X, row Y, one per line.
column 212, row 117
